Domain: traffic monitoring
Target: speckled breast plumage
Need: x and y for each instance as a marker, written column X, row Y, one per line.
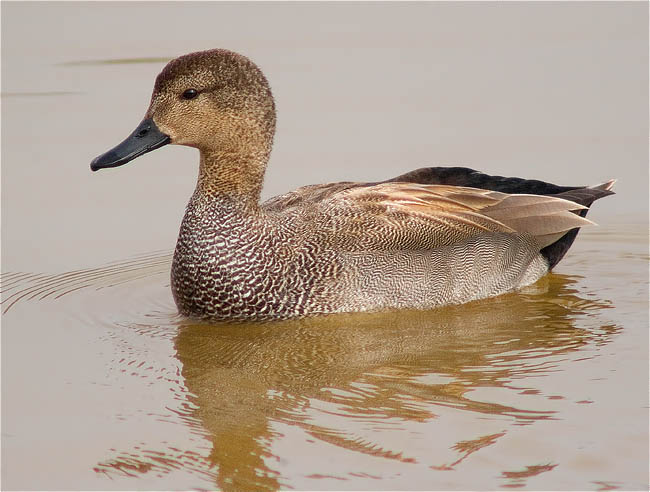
column 232, row 265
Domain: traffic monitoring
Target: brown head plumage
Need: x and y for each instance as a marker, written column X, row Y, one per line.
column 231, row 100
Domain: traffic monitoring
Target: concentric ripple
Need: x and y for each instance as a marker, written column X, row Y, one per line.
column 18, row 287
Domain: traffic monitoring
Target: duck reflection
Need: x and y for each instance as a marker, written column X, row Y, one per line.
column 372, row 367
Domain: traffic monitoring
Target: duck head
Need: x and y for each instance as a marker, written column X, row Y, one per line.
column 216, row 101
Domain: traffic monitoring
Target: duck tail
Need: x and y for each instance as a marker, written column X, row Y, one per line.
column 583, row 196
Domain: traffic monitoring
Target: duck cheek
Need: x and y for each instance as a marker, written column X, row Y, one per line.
column 187, row 135
column 172, row 133
column 181, row 138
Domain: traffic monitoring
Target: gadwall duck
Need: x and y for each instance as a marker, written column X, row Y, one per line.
column 430, row 237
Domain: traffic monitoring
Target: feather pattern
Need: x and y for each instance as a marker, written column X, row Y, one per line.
column 466, row 211
column 433, row 236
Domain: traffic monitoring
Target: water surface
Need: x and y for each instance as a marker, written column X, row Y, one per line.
column 529, row 389
column 105, row 387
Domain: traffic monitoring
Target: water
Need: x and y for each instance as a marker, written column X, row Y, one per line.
column 104, row 386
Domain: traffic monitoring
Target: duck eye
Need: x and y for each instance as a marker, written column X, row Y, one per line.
column 190, row 94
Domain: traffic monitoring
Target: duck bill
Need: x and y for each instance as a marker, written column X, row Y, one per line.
column 145, row 138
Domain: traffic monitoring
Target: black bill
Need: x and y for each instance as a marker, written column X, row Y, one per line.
column 145, row 138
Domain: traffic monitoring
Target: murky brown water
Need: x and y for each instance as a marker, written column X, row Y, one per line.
column 104, row 386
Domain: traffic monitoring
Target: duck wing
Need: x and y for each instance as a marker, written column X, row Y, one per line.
column 453, row 176
column 433, row 202
column 463, row 176
column 414, row 216
column 306, row 195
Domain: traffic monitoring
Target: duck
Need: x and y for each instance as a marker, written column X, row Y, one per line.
column 431, row 237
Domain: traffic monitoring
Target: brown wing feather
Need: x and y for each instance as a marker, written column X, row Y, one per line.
column 462, row 212
column 430, row 215
column 306, row 195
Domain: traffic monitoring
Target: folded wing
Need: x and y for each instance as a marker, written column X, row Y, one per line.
column 440, row 214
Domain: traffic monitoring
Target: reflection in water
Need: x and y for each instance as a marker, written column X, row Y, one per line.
column 517, row 478
column 38, row 94
column 149, row 461
column 465, row 448
column 119, row 61
column 383, row 370
column 358, row 382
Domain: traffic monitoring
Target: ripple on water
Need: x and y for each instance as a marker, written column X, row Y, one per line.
column 369, row 389
column 118, row 61
column 17, row 286
column 360, row 383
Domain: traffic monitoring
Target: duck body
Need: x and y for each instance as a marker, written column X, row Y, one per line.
column 318, row 250
column 427, row 238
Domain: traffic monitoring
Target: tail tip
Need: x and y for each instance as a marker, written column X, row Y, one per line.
column 606, row 186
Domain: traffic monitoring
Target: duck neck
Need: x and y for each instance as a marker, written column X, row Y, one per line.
column 236, row 176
